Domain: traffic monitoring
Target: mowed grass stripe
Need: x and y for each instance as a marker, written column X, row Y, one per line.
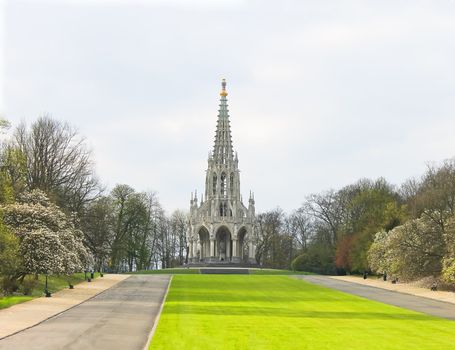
column 279, row 312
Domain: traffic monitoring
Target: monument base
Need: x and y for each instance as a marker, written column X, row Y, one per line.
column 236, row 260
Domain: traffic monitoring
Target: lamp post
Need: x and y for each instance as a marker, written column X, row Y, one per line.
column 46, row 289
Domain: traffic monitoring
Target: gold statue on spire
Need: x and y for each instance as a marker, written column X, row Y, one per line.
column 223, row 88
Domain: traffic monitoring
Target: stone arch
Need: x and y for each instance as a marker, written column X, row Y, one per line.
column 214, row 181
column 204, row 243
column 223, row 244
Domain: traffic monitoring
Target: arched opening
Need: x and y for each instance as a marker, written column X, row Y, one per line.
column 223, row 209
column 214, row 184
column 243, row 245
column 223, row 244
column 223, row 185
column 203, row 250
column 232, row 184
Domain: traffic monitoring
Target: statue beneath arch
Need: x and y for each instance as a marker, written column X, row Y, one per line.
column 222, row 228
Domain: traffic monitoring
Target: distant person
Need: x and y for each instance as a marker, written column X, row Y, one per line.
column 434, row 287
column 384, row 276
column 365, row 275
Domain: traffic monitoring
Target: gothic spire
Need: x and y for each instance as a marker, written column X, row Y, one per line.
column 223, row 151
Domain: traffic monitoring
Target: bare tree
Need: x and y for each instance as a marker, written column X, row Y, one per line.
column 179, row 227
column 326, row 209
column 58, row 162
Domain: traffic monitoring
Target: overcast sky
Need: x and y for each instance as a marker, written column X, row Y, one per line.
column 321, row 93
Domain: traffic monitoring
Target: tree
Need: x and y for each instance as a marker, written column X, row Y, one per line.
column 119, row 196
column 141, row 231
column 58, row 162
column 448, row 261
column 44, row 253
column 97, row 224
column 273, row 243
column 9, row 252
column 434, row 194
column 13, row 170
column 380, row 255
column 325, row 208
column 299, row 227
column 412, row 250
column 4, row 124
column 179, row 228
column 318, row 258
column 343, row 258
column 49, row 241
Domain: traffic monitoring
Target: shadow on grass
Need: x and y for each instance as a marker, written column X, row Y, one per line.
column 210, row 297
column 284, row 312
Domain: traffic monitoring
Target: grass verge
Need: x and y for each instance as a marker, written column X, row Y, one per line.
column 13, row 300
column 55, row 283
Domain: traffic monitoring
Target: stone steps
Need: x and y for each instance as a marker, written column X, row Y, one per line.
column 220, row 264
column 226, row 271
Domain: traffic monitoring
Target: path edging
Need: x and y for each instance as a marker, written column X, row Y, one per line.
column 394, row 291
column 157, row 318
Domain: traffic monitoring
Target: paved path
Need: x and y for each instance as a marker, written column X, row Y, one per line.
column 119, row 318
column 407, row 288
column 18, row 317
column 412, row 302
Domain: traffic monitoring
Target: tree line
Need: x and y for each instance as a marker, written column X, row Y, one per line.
column 57, row 218
column 52, row 202
column 405, row 231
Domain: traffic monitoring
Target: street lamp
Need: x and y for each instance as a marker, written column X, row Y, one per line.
column 46, row 289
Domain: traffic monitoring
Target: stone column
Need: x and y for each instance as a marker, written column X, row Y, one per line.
column 235, row 253
column 212, row 249
column 195, row 257
column 190, row 252
column 228, row 249
column 251, row 253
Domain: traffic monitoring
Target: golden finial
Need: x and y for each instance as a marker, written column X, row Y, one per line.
column 223, row 88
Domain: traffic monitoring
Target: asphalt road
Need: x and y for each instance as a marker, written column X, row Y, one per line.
column 412, row 302
column 119, row 318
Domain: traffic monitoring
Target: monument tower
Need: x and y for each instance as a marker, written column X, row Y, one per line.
column 221, row 226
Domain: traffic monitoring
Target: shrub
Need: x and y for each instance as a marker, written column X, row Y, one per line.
column 9, row 285
column 10, row 259
column 300, row 262
column 28, row 285
column 314, row 260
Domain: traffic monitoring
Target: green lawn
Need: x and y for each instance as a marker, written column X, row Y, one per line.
column 279, row 312
column 13, row 300
column 55, row 283
column 277, row 272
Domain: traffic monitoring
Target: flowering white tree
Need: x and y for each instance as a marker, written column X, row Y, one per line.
column 43, row 252
column 49, row 242
column 411, row 251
